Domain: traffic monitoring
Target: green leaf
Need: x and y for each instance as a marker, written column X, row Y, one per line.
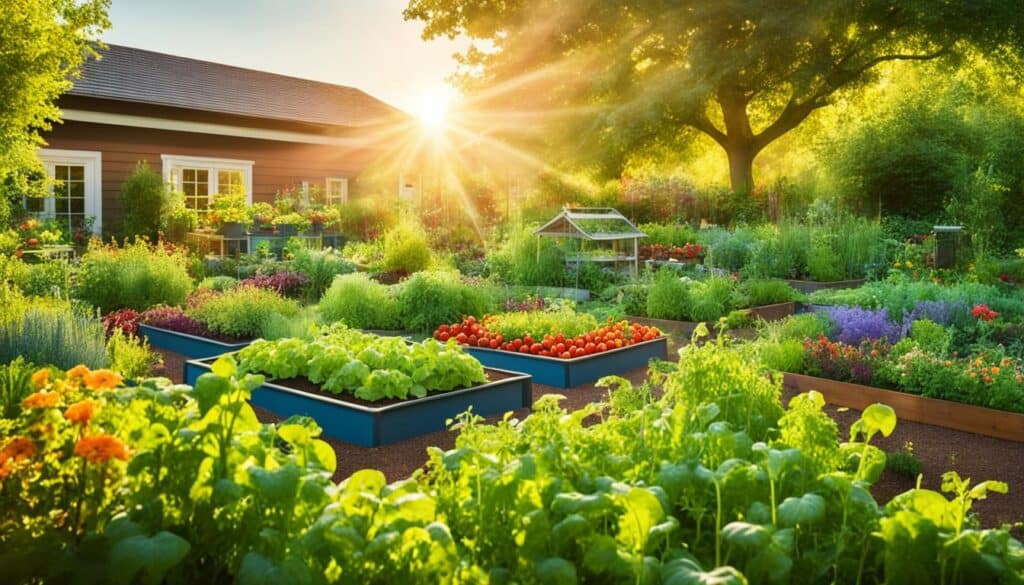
column 875, row 418
column 152, row 556
column 278, row 486
column 208, row 390
column 746, row 535
column 641, row 511
column 257, row 569
column 807, row 509
column 225, row 367
column 604, row 557
column 555, row 571
column 570, row 529
column 364, row 480
column 686, row 571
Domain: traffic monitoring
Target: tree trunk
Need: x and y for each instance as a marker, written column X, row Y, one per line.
column 741, row 167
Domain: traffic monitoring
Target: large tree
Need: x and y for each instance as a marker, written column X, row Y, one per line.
column 644, row 74
column 43, row 43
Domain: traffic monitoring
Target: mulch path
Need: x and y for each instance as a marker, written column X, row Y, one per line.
column 939, row 450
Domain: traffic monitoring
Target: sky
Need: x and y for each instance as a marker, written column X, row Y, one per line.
column 360, row 43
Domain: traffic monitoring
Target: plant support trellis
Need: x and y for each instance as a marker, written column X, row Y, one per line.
column 595, row 224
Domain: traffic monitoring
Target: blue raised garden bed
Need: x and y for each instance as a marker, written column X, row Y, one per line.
column 370, row 426
column 562, row 373
column 190, row 346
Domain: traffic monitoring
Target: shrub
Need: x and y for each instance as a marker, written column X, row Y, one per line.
column 633, row 298
column 137, row 276
column 286, row 284
column 15, row 385
column 174, row 319
column 903, row 462
column 54, row 333
column 218, row 283
column 320, row 268
column 931, row 337
column 430, row 299
column 131, row 356
column 50, row 278
column 668, row 234
column 359, row 302
column 823, row 263
column 126, row 320
column 757, row 293
column 668, row 297
column 144, row 196
column 523, row 259
column 406, row 249
column 240, row 313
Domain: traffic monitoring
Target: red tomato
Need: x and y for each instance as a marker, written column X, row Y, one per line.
column 559, row 348
column 443, row 328
column 524, row 349
column 536, row 348
column 444, row 336
column 461, row 338
column 471, row 319
column 527, row 339
column 472, row 339
column 566, row 355
column 499, row 338
column 483, row 342
column 493, row 343
column 602, row 347
column 589, row 348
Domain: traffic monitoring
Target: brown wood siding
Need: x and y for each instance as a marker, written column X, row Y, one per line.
column 276, row 165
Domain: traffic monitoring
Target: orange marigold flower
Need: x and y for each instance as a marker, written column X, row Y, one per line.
column 101, row 448
column 995, row 370
column 41, row 400
column 18, row 449
column 40, row 379
column 81, row 412
column 78, row 371
column 102, row 380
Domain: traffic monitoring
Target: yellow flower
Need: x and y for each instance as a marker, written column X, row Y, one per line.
column 910, row 264
column 102, row 380
column 40, row 379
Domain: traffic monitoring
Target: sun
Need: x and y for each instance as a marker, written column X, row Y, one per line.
column 432, row 107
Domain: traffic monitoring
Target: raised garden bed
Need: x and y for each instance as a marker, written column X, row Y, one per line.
column 809, row 286
column 372, row 424
column 684, row 329
column 190, row 346
column 942, row 413
column 567, row 373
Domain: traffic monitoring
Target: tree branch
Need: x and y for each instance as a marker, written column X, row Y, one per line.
column 701, row 123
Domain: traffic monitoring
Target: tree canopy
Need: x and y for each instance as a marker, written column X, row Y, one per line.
column 650, row 74
column 43, row 43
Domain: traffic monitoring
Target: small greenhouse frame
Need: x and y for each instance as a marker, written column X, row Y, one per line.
column 595, row 224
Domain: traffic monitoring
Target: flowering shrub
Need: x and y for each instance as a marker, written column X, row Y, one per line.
column 984, row 380
column 289, row 284
column 174, row 319
column 984, row 313
column 524, row 306
column 127, row 320
column 677, row 253
column 854, row 325
column 837, row 360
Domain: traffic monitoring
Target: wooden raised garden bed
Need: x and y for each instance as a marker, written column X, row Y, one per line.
column 190, row 346
column 941, row 413
column 682, row 330
column 809, row 286
column 567, row 373
column 370, row 424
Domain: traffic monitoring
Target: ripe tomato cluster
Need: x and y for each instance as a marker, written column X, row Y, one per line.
column 611, row 336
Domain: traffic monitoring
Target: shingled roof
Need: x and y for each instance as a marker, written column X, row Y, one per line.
column 137, row 75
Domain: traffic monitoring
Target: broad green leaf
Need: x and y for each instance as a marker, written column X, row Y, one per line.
column 746, row 535
column 604, row 557
column 641, row 511
column 257, row 569
column 686, row 571
column 225, row 367
column 571, row 528
column 208, row 391
column 807, row 509
column 278, row 486
column 149, row 556
column 555, row 571
column 364, row 480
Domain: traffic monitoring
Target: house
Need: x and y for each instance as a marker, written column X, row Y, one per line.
column 209, row 129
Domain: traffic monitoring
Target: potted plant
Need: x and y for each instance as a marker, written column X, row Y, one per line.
column 178, row 221
column 263, row 216
column 290, row 224
column 230, row 214
column 318, row 220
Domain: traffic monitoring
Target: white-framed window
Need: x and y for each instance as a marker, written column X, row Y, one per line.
column 201, row 179
column 336, row 191
column 77, row 187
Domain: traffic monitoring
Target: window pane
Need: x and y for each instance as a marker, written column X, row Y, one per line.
column 62, row 204
column 230, row 183
column 76, row 173
column 35, row 204
column 202, row 175
column 202, row 189
column 188, row 175
column 76, row 189
column 61, row 172
column 77, row 205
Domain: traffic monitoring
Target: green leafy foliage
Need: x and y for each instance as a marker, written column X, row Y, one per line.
column 145, row 199
column 361, row 303
column 137, row 276
column 406, row 249
column 367, row 366
column 429, row 299
column 241, row 313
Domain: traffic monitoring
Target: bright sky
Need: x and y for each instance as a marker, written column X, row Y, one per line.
column 360, row 43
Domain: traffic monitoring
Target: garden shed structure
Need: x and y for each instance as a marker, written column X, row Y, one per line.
column 596, row 224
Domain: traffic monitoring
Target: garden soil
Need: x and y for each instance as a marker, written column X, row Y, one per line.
column 939, row 450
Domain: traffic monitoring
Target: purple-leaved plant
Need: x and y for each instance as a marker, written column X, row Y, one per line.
column 288, row 284
column 174, row 319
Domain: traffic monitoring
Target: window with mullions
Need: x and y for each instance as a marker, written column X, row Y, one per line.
column 201, row 180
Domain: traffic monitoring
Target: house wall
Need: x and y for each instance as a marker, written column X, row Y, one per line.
column 277, row 165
